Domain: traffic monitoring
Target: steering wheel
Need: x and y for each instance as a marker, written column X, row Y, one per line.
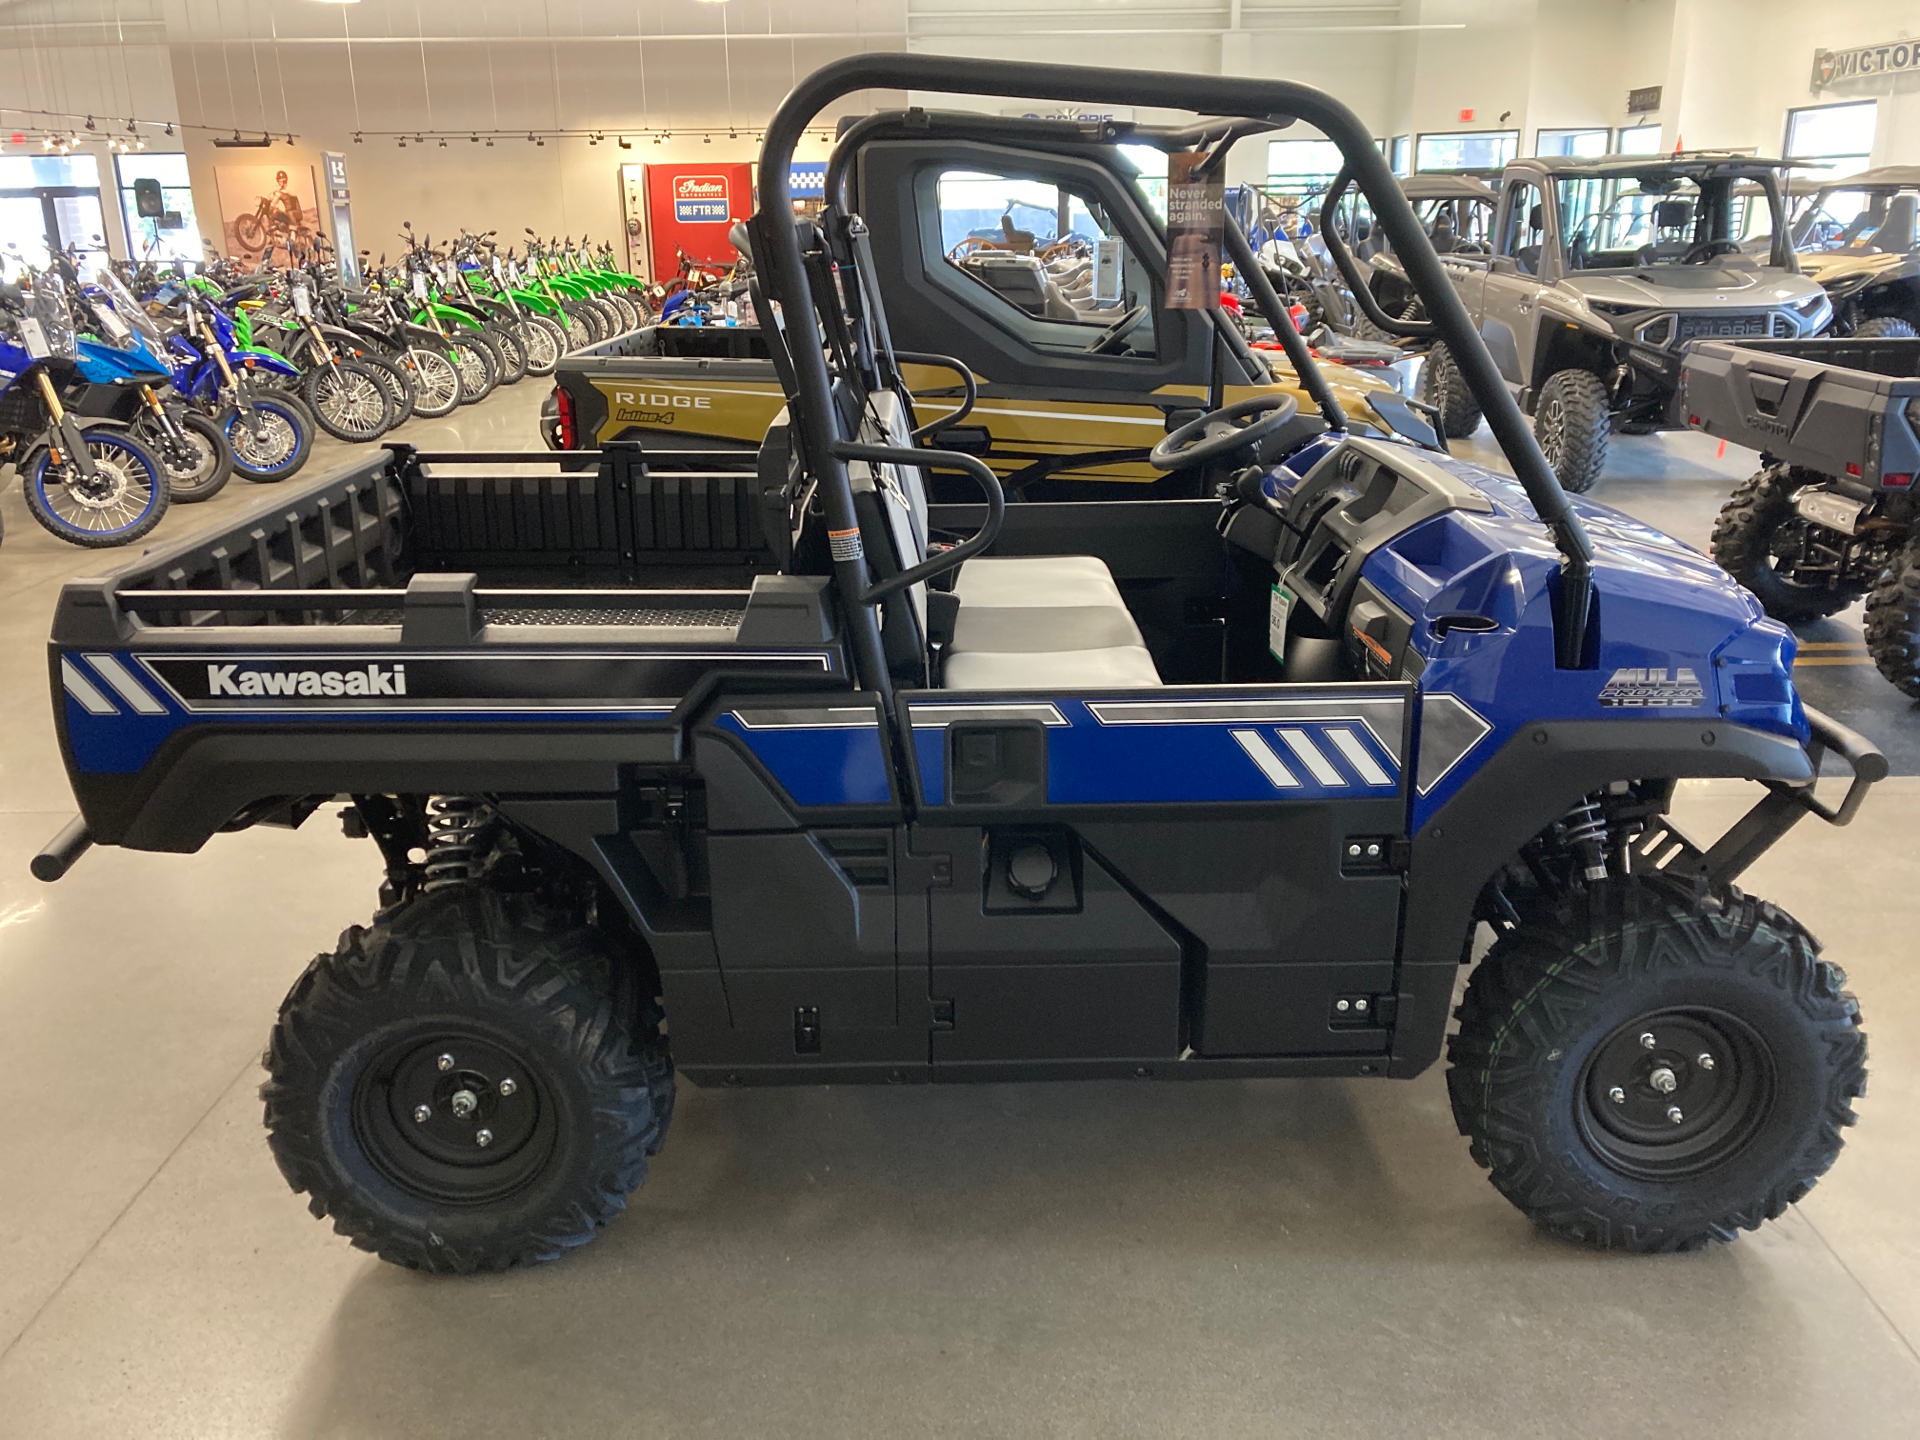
column 1224, row 432
column 1707, row 249
column 1112, row 338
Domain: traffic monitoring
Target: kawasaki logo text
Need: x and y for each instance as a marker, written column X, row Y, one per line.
column 373, row 680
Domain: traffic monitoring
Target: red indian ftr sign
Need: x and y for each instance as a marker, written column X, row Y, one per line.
column 689, row 211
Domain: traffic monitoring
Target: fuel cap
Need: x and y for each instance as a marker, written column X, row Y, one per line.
column 1031, row 870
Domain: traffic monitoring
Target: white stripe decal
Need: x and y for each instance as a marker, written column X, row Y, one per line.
column 1308, row 754
column 129, row 689
column 1348, row 744
column 82, row 689
column 1271, row 765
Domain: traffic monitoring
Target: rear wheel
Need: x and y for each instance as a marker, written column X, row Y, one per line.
column 1445, row 388
column 1893, row 621
column 1570, row 422
column 1755, row 538
column 396, row 383
column 1643, row 1070
column 467, row 1084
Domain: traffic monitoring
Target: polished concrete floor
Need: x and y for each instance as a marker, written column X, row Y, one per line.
column 1261, row 1258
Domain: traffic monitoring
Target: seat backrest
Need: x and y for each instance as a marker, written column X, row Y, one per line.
column 1895, row 235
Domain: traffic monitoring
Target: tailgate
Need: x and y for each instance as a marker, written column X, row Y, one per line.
column 1810, row 403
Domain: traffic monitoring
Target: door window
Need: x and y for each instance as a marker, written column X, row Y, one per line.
column 1525, row 232
column 1039, row 253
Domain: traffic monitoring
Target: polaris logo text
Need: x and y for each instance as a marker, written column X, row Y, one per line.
column 231, row 680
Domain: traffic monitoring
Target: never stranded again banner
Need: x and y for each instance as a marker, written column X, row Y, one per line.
column 690, row 208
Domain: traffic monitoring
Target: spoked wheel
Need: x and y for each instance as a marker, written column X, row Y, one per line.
column 469, row 1084
column 479, row 370
column 513, row 358
column 274, row 444
column 542, row 344
column 348, row 401
column 123, row 499
column 198, row 460
column 397, row 384
column 436, row 382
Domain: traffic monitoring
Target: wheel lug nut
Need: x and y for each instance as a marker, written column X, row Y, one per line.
column 484, row 1138
column 1664, row 1080
column 1705, row 1061
column 507, row 1087
column 1617, row 1095
column 1673, row 1114
column 445, row 1062
column 1646, row 1042
column 422, row 1114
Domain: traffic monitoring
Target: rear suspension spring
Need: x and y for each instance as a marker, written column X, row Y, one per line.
column 456, row 840
column 1584, row 832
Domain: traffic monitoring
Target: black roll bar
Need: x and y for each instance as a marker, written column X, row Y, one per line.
column 1243, row 96
column 1351, row 272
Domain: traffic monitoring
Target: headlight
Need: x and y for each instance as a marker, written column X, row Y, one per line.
column 1609, row 307
column 1810, row 306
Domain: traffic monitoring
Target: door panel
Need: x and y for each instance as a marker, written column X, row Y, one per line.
column 1257, row 826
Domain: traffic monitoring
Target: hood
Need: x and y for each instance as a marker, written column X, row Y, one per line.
column 1693, row 287
column 1851, row 267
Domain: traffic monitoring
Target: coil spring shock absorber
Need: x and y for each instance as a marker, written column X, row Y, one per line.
column 456, row 826
column 1584, row 831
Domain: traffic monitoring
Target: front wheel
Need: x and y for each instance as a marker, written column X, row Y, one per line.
column 1570, row 422
column 469, row 1084
column 478, row 366
column 436, row 382
column 1640, row 1069
column 348, row 401
column 1445, row 388
column 123, row 499
column 512, row 357
column 1883, row 327
column 1893, row 621
column 273, row 445
column 544, row 343
column 198, row 460
column 1758, row 536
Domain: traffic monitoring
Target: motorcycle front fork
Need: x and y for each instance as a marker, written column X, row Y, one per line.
column 63, row 431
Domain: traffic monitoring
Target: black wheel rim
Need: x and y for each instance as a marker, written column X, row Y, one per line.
column 1681, row 1105
column 458, row 1118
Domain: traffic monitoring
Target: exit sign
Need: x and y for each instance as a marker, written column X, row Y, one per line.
column 1466, row 117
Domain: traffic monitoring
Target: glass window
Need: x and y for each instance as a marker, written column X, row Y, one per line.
column 1401, row 156
column 1151, row 162
column 1036, row 249
column 1467, row 150
column 175, row 233
column 29, row 172
column 1590, row 143
column 1302, row 164
column 1524, row 233
column 1637, row 140
column 1838, row 137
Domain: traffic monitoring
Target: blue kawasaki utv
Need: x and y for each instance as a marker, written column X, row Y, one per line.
column 795, row 777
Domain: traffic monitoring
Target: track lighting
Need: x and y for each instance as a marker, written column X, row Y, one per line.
column 443, row 143
column 90, row 124
column 169, row 130
column 623, row 143
column 358, row 139
column 489, row 142
column 475, row 140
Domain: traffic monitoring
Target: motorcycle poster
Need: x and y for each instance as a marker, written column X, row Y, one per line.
column 266, row 207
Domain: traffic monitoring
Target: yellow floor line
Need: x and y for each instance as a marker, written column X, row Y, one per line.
column 1833, row 660
column 1830, row 645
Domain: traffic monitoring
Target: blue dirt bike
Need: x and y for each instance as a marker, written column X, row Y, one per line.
column 94, row 488
column 270, row 432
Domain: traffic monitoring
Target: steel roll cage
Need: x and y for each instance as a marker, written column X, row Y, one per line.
column 1232, row 97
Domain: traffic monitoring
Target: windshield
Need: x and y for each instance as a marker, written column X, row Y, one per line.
column 50, row 309
column 130, row 310
column 1627, row 221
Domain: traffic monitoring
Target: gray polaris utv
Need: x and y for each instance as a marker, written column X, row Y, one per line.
column 1601, row 272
